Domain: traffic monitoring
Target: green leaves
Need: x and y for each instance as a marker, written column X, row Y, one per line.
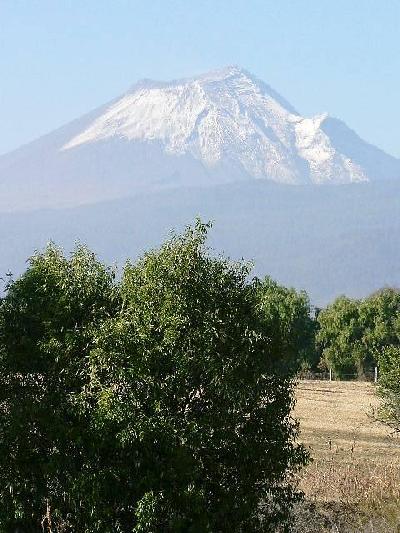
column 158, row 403
column 354, row 333
column 47, row 321
column 340, row 336
column 287, row 314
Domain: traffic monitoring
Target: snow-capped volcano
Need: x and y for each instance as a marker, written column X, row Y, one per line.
column 219, row 127
column 226, row 117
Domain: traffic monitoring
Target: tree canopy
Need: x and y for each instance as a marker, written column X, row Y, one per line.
column 353, row 334
column 155, row 403
column 292, row 326
column 47, row 324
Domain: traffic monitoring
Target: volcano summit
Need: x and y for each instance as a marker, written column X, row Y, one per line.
column 220, row 127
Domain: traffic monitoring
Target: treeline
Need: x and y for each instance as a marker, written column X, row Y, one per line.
column 161, row 400
column 354, row 336
column 350, row 336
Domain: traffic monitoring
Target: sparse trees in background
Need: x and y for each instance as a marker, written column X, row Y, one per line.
column 353, row 334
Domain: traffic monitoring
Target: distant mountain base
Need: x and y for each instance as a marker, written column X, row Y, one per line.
column 326, row 240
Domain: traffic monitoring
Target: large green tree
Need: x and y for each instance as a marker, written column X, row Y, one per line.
column 340, row 336
column 187, row 380
column 379, row 316
column 158, row 403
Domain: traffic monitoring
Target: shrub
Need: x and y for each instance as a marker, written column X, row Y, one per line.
column 47, row 321
column 156, row 404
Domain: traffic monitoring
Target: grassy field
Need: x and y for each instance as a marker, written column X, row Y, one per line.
column 353, row 483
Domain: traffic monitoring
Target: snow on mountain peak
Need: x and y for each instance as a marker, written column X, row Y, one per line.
column 225, row 119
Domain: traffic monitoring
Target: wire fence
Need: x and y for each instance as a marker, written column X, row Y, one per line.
column 329, row 375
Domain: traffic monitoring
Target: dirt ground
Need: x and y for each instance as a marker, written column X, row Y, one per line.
column 353, row 483
column 338, row 418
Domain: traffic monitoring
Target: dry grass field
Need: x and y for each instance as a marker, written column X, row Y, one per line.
column 353, row 483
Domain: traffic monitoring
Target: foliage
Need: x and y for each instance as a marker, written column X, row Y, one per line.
column 47, row 321
column 340, row 336
column 383, row 337
column 292, row 328
column 185, row 378
column 380, row 314
column 159, row 403
column 389, row 385
column 389, row 370
column 354, row 333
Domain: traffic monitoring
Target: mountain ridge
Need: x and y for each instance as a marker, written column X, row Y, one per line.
column 220, row 127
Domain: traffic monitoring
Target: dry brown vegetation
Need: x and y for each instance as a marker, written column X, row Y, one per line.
column 353, row 483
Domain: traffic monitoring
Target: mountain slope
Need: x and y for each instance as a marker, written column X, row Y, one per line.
column 226, row 117
column 224, row 126
column 327, row 240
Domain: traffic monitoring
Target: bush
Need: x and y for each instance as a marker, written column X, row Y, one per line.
column 47, row 322
column 157, row 404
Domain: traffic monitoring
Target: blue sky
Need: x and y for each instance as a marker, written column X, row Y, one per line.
column 61, row 58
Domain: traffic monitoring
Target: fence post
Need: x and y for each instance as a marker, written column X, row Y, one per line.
column 376, row 375
column 330, row 374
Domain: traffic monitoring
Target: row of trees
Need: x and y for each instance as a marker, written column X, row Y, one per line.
column 161, row 400
column 354, row 335
column 349, row 336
